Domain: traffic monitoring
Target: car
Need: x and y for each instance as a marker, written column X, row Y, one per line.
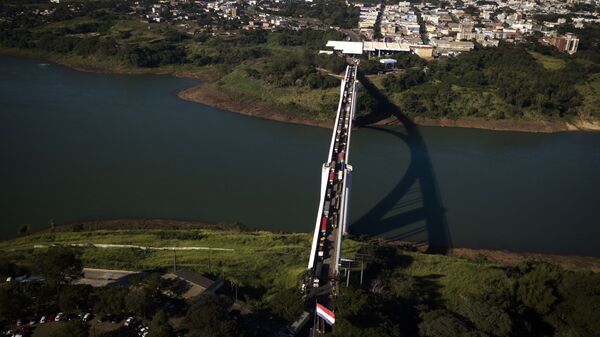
column 130, row 321
column 50, row 318
column 87, row 317
column 60, row 317
column 25, row 329
column 43, row 319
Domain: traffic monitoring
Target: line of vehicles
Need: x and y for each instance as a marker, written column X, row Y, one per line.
column 137, row 326
column 337, row 165
column 25, row 327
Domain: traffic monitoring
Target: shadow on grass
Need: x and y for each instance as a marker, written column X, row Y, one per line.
column 418, row 185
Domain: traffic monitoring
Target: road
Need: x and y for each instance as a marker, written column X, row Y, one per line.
column 354, row 37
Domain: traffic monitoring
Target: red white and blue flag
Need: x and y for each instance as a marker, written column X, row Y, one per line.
column 325, row 314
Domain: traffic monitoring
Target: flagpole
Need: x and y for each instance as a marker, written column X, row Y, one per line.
column 314, row 321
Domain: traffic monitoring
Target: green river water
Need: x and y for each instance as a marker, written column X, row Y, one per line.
column 76, row 146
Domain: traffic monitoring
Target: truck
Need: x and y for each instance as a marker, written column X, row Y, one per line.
column 340, row 175
column 326, row 208
column 324, row 225
column 331, row 175
column 317, row 274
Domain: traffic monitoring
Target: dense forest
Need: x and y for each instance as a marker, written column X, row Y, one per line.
column 504, row 82
column 530, row 299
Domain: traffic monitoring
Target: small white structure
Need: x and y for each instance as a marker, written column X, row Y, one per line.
column 388, row 64
column 346, row 47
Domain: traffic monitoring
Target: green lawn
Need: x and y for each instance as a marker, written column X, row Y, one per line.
column 318, row 104
column 258, row 258
column 549, row 62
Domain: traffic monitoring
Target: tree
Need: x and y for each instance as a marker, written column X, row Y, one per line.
column 286, row 304
column 74, row 297
column 537, row 287
column 10, row 269
column 487, row 317
column 441, row 323
column 110, row 300
column 139, row 301
column 59, row 265
column 24, row 229
column 209, row 317
column 73, row 328
column 160, row 327
column 11, row 300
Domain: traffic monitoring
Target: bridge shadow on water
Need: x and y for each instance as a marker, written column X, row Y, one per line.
column 415, row 198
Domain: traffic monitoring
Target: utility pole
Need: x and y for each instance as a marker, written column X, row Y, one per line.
column 174, row 260
column 314, row 325
column 348, row 279
column 362, row 263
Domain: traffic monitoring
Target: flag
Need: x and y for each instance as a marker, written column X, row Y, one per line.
column 325, row 314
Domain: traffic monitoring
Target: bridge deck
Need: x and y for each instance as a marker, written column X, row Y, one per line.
column 332, row 216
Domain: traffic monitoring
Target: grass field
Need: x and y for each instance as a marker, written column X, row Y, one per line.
column 260, row 260
column 549, row 62
column 318, row 104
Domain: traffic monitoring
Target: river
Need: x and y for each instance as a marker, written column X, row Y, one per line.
column 78, row 146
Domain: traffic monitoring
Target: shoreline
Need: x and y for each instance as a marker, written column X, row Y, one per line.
column 208, row 93
column 502, row 257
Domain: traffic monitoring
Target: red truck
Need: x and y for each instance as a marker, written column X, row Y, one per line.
column 331, row 175
column 324, row 224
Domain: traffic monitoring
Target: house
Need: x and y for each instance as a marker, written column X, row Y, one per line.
column 388, row 64
column 193, row 284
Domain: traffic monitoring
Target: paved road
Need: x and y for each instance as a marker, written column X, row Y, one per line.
column 353, row 36
column 110, row 245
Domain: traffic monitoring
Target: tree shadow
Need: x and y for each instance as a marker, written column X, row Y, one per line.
column 418, row 184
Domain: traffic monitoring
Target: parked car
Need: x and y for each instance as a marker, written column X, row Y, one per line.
column 130, row 321
column 87, row 317
column 60, row 317
column 25, row 329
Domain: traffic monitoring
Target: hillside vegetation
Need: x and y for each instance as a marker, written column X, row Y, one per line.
column 404, row 293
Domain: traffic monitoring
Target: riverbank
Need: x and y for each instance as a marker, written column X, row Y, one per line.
column 141, row 226
column 210, row 94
